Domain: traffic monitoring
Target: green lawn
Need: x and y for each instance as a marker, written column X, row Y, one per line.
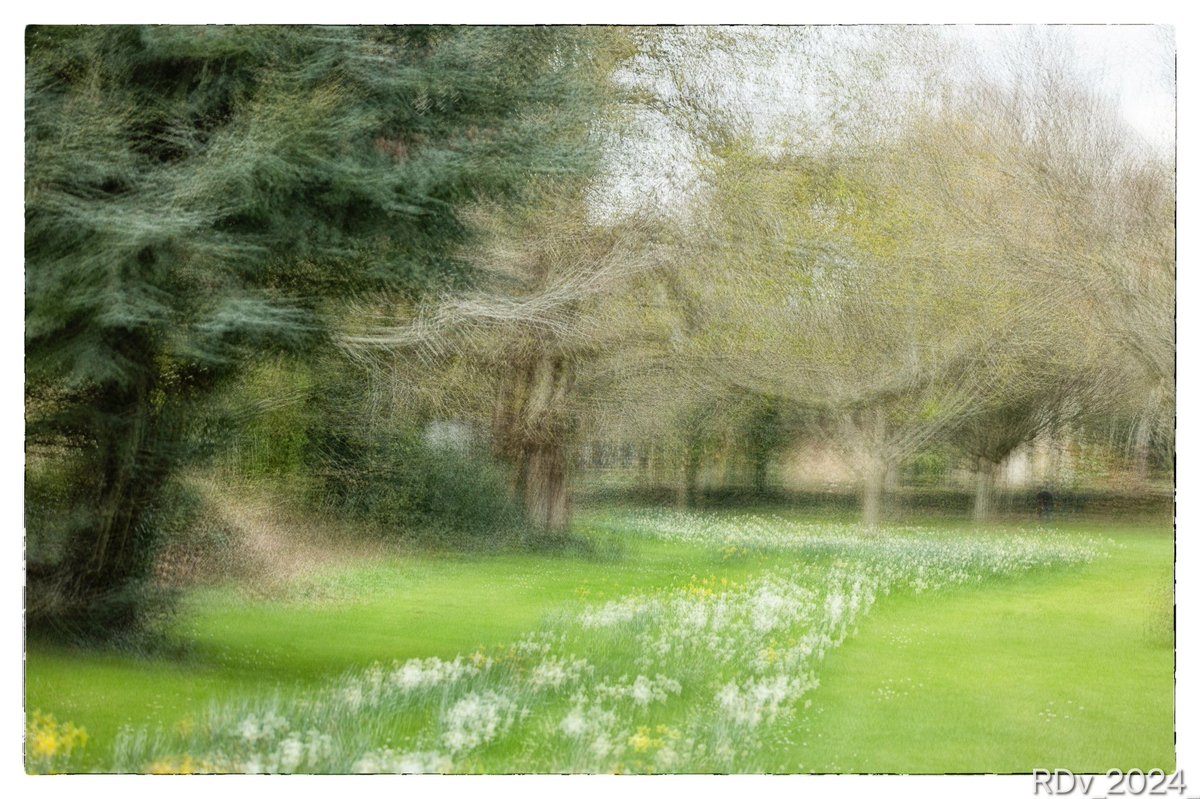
column 1070, row 669
column 409, row 607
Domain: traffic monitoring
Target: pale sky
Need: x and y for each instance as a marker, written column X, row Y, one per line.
column 1133, row 63
column 835, row 75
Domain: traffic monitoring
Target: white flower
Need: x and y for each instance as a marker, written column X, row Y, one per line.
column 766, row 610
column 834, row 607
column 554, row 672
column 642, row 691
column 574, row 724
column 457, row 739
column 666, row 758
column 367, row 764
column 602, row 746
column 760, row 700
column 249, row 729
column 613, row 613
column 693, row 614
column 319, row 745
column 409, row 677
column 291, row 753
column 476, row 719
column 417, row 674
column 352, row 696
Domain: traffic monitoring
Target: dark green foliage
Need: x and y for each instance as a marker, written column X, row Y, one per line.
column 198, row 196
column 766, row 434
column 407, row 488
column 267, row 419
column 926, row 469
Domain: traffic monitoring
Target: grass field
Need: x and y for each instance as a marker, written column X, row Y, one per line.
column 1005, row 665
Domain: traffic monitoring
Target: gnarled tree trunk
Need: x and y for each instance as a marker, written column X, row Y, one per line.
column 985, row 480
column 530, row 431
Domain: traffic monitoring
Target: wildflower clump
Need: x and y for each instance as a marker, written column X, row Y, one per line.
column 49, row 744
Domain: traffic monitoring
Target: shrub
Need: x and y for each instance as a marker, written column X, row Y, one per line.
column 405, row 487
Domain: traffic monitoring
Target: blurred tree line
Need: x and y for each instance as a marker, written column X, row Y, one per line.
column 421, row 276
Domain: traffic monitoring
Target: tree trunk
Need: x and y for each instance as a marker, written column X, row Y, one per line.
column 872, row 504
column 643, row 465
column 891, row 479
column 531, row 428
column 546, row 498
column 877, row 466
column 1062, row 465
column 758, row 474
column 1141, row 450
column 689, row 473
column 985, row 479
column 1143, row 433
column 508, row 424
column 105, row 560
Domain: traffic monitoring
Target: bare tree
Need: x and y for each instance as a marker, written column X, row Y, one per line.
column 523, row 341
column 1077, row 213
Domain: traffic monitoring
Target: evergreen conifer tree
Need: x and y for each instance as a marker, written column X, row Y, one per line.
column 197, row 195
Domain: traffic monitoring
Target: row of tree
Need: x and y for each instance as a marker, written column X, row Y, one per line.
column 974, row 264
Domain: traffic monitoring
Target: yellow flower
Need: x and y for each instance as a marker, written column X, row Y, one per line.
column 184, row 765
column 640, row 741
column 45, row 744
column 46, row 740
